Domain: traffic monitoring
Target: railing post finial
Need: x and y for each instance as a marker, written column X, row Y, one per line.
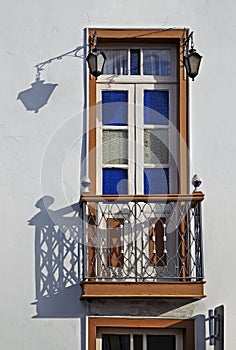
column 86, row 182
column 196, row 182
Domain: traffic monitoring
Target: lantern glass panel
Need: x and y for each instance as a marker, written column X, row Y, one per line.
column 92, row 62
column 194, row 62
column 100, row 62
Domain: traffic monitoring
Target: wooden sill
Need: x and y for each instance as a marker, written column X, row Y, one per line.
column 94, row 289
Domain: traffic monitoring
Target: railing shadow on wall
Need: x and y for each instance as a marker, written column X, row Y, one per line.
column 58, row 260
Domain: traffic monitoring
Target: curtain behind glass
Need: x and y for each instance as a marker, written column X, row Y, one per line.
column 156, row 62
column 116, row 63
column 115, row 342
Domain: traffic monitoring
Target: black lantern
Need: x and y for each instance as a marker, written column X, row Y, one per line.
column 96, row 59
column 192, row 59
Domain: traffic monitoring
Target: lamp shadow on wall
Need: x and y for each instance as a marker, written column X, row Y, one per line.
column 58, row 256
column 37, row 96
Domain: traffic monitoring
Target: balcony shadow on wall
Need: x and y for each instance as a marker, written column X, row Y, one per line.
column 37, row 96
column 58, row 255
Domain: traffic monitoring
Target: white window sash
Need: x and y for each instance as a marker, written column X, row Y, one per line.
column 173, row 135
column 130, row 128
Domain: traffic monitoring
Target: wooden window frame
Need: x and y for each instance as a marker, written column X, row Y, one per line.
column 187, row 326
column 152, row 36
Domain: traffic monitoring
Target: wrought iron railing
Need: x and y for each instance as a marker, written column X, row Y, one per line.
column 142, row 238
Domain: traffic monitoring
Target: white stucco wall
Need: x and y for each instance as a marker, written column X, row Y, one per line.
column 32, row 145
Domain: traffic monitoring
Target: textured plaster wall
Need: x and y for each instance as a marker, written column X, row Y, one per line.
column 41, row 152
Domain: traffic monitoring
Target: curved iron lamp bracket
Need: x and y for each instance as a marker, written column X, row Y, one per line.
column 72, row 53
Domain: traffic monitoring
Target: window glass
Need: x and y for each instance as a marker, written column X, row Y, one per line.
column 116, row 63
column 156, row 146
column 156, row 62
column 135, row 62
column 156, row 107
column 161, row 342
column 115, row 181
column 115, row 147
column 156, row 180
column 114, row 107
column 138, row 341
column 115, row 342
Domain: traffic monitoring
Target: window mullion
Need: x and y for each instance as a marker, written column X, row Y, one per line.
column 129, row 58
column 131, row 342
column 141, row 61
column 144, row 341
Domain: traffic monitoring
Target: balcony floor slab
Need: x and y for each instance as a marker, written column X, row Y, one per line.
column 99, row 289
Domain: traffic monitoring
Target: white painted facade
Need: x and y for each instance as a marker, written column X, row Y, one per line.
column 41, row 153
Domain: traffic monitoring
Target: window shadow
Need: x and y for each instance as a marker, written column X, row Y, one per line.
column 58, row 260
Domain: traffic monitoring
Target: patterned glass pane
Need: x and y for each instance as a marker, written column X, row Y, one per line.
column 134, row 62
column 116, row 62
column 156, row 181
column 156, row 146
column 114, row 107
column 115, row 147
column 115, row 181
column 156, row 107
column 156, row 62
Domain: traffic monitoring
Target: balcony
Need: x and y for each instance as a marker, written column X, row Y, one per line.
column 142, row 246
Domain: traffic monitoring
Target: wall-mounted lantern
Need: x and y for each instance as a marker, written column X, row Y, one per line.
column 216, row 327
column 192, row 59
column 96, row 58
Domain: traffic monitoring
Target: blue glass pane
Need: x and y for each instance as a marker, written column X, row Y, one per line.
column 156, row 181
column 135, row 62
column 115, row 181
column 156, row 107
column 114, row 107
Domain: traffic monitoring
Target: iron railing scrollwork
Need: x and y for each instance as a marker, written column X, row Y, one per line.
column 118, row 238
column 142, row 238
